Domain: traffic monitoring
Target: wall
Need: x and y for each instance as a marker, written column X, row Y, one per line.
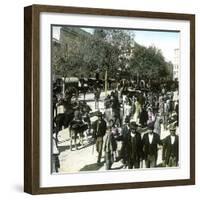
column 11, row 101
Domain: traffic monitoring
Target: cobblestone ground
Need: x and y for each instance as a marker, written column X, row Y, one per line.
column 85, row 158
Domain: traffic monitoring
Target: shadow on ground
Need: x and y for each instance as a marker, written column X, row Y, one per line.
column 92, row 167
column 63, row 148
column 85, row 146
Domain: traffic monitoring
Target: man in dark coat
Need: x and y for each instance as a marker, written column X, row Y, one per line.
column 150, row 144
column 110, row 146
column 133, row 147
column 99, row 130
column 170, row 148
column 143, row 117
column 115, row 105
column 123, row 138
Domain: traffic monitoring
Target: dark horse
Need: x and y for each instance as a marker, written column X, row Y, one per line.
column 63, row 119
column 72, row 118
column 76, row 128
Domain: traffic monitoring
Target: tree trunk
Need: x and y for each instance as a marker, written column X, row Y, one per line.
column 106, row 82
column 63, row 92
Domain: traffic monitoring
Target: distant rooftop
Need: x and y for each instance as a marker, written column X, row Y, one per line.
column 76, row 31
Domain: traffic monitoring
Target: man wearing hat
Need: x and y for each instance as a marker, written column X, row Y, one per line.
column 99, row 130
column 170, row 148
column 123, row 138
column 110, row 146
column 150, row 144
column 133, row 147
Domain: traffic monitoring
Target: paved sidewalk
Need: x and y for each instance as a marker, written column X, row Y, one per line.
column 85, row 158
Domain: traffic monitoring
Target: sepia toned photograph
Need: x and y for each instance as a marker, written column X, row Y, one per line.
column 114, row 99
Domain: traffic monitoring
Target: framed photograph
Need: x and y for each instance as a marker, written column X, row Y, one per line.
column 109, row 99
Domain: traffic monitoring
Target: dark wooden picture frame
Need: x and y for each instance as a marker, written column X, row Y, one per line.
column 32, row 93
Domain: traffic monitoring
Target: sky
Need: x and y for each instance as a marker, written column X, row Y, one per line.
column 164, row 40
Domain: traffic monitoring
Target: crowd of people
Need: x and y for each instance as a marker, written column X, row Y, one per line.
column 128, row 129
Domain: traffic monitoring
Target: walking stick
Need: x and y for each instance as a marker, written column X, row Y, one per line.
column 93, row 148
column 141, row 164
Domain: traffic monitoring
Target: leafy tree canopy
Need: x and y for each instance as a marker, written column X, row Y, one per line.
column 111, row 50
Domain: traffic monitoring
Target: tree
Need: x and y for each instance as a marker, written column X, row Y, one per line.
column 68, row 62
column 148, row 61
column 109, row 51
column 106, row 49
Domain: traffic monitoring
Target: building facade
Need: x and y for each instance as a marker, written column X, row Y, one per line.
column 176, row 64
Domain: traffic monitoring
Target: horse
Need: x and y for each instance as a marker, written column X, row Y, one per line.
column 63, row 120
column 76, row 128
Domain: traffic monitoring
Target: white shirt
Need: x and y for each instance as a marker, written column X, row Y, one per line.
column 150, row 138
column 132, row 134
column 60, row 109
column 172, row 139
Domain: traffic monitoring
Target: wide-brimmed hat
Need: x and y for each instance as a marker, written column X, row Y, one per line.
column 99, row 114
column 150, row 125
column 127, row 119
column 133, row 124
column 172, row 127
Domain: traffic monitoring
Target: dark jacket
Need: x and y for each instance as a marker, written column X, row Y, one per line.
column 143, row 117
column 99, row 128
column 150, row 149
column 124, row 132
column 133, row 146
column 170, row 149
